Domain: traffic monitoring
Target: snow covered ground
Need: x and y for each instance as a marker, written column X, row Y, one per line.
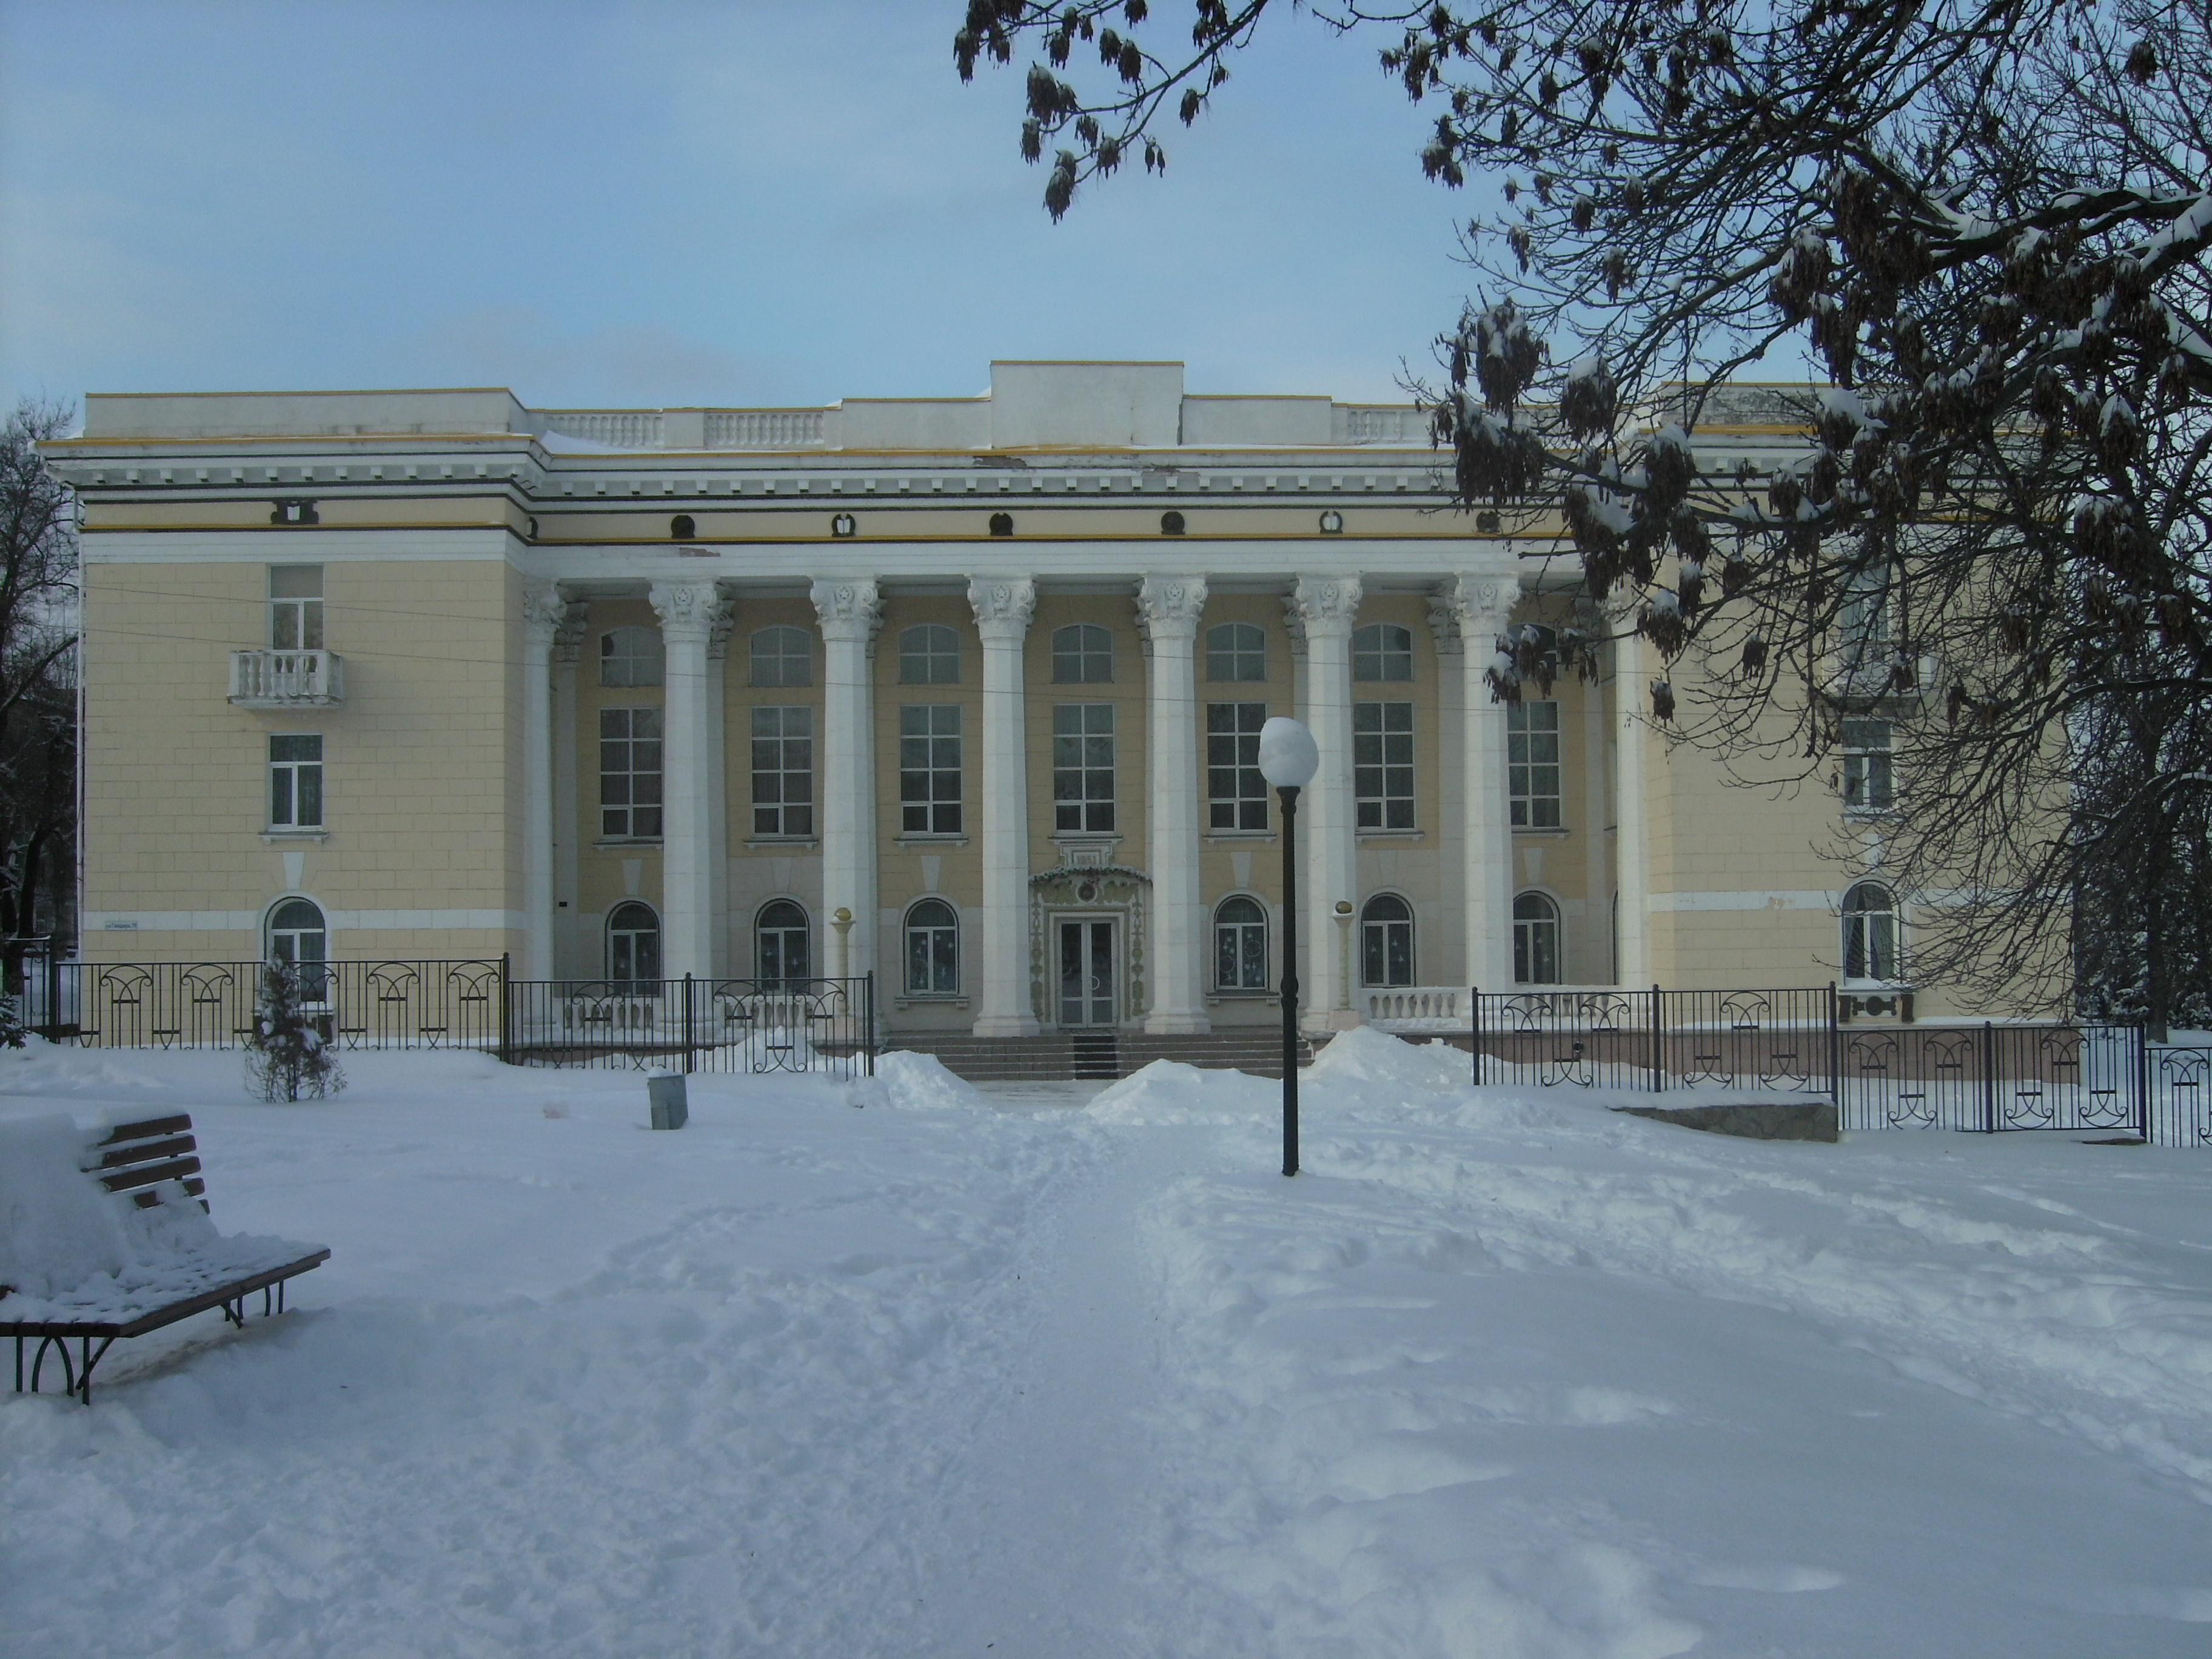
column 1497, row 1376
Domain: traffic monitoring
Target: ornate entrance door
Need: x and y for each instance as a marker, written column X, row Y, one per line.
column 1086, row 972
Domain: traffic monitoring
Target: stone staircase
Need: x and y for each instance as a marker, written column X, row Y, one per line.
column 1103, row 1054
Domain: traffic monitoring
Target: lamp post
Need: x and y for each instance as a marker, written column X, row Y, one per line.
column 1288, row 760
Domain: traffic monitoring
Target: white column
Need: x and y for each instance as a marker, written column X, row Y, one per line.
column 1486, row 602
column 543, row 612
column 1169, row 609
column 1003, row 610
column 717, row 952
column 1451, row 833
column 851, row 612
column 1632, row 841
column 686, row 612
column 1327, row 606
column 572, row 958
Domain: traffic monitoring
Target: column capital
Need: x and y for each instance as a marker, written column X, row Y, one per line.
column 1444, row 624
column 1003, row 605
column 1484, row 602
column 1169, row 606
column 1327, row 605
column 568, row 634
column 686, row 610
column 849, row 611
column 545, row 609
column 721, row 622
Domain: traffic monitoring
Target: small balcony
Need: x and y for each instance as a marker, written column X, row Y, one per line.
column 287, row 679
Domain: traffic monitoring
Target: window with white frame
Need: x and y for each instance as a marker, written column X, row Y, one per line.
column 1873, row 939
column 1536, row 940
column 633, row 946
column 629, row 773
column 1386, row 941
column 1382, row 651
column 781, row 939
column 296, row 607
column 295, row 782
column 1236, row 793
column 1866, row 782
column 932, row 950
column 929, row 769
column 781, row 656
column 929, row 655
column 783, row 771
column 298, row 936
column 1867, row 628
column 1532, row 763
column 1236, row 651
column 632, row 656
column 1083, row 768
column 1382, row 765
column 1240, row 945
column 1082, row 655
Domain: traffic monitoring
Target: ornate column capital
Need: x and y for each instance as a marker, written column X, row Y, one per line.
column 1003, row 605
column 686, row 610
column 568, row 635
column 1485, row 603
column 1326, row 606
column 544, row 611
column 1443, row 623
column 722, row 622
column 849, row 611
column 1170, row 606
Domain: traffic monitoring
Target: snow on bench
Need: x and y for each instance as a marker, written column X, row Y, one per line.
column 111, row 1237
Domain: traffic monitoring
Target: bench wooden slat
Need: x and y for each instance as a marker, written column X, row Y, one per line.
column 151, row 1129
column 175, row 1170
column 194, row 1188
column 150, row 1152
column 230, row 1291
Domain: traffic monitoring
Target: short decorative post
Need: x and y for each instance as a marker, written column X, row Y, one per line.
column 841, row 920
column 1344, row 951
column 1288, row 759
column 507, row 1007
column 687, row 1022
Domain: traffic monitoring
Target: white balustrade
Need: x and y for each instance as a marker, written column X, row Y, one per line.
column 286, row 679
column 762, row 428
column 1387, row 424
column 1419, row 1007
column 618, row 428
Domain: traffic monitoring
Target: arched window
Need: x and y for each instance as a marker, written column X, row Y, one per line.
column 297, row 936
column 929, row 655
column 1235, row 651
column 1382, row 651
column 631, row 656
column 932, row 950
column 633, row 946
column 1536, row 940
column 1240, row 945
column 1872, row 937
column 1386, row 941
column 780, row 936
column 782, row 656
column 1082, row 655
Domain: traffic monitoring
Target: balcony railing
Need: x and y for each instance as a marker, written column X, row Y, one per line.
column 286, row 679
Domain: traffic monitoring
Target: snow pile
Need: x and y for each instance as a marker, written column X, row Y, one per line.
column 915, row 1082
column 1167, row 1091
column 1379, row 1071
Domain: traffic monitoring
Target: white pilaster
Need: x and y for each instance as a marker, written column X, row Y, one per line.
column 1485, row 604
column 1169, row 609
column 1450, row 834
column 851, row 613
column 1003, row 609
column 543, row 612
column 573, row 957
column 686, row 610
column 1326, row 607
column 718, row 794
column 1632, row 838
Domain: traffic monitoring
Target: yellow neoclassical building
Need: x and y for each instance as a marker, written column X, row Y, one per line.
column 962, row 691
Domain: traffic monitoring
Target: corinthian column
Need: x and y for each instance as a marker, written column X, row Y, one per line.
column 851, row 613
column 544, row 610
column 1631, row 836
column 686, row 610
column 1325, row 607
column 1003, row 610
column 1169, row 608
column 1485, row 604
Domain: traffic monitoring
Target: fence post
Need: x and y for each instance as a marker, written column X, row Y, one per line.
column 868, row 1002
column 2143, row 1084
column 1835, row 1056
column 1989, row 1077
column 687, row 1023
column 505, row 1009
column 1474, row 1020
column 53, row 1031
column 1658, row 1044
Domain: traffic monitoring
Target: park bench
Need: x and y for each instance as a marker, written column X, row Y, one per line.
column 132, row 1204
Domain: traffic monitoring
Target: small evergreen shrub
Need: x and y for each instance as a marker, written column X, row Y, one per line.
column 11, row 1022
column 286, row 1058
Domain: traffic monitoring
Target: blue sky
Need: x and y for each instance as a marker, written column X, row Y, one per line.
column 672, row 202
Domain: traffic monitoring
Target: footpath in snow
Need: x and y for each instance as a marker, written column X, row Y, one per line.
column 1497, row 1376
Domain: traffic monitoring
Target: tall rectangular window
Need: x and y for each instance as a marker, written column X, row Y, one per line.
column 295, row 783
column 929, row 769
column 1867, row 784
column 629, row 773
column 1382, row 765
column 1236, row 795
column 296, row 607
column 1083, row 768
column 783, row 771
column 1532, row 763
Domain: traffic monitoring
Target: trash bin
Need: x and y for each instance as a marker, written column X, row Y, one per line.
column 671, row 1109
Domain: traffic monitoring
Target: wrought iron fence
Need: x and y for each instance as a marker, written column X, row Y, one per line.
column 695, row 1025
column 1990, row 1076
